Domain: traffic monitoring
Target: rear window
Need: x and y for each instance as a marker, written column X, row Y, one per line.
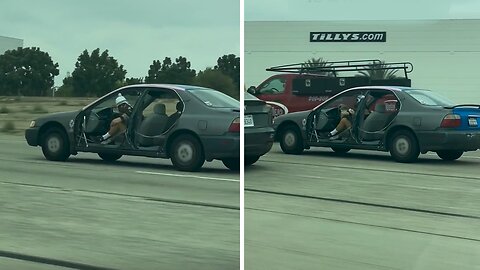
column 214, row 99
column 429, row 98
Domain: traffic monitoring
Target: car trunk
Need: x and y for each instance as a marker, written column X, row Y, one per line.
column 470, row 117
column 257, row 114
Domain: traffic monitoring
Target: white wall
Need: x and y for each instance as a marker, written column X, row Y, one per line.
column 443, row 52
column 7, row 43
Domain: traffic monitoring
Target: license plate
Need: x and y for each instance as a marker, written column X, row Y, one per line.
column 248, row 121
column 472, row 122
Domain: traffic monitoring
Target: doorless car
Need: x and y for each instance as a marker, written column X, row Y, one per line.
column 303, row 86
column 402, row 120
column 187, row 124
column 258, row 128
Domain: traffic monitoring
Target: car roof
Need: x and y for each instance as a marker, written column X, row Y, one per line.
column 181, row 87
column 386, row 87
column 248, row 96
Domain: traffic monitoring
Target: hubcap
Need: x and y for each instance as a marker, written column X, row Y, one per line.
column 53, row 144
column 185, row 152
column 402, row 146
column 289, row 139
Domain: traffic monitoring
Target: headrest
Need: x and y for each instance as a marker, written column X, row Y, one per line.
column 159, row 108
column 380, row 107
column 179, row 106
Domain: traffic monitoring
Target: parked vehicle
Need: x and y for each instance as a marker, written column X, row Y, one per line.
column 187, row 124
column 304, row 86
column 402, row 120
column 258, row 128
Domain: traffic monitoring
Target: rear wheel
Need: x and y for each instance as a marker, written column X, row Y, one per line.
column 449, row 155
column 186, row 153
column 291, row 141
column 55, row 145
column 340, row 150
column 249, row 160
column 404, row 146
column 232, row 163
column 110, row 157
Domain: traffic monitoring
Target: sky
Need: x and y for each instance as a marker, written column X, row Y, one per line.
column 134, row 32
column 307, row 10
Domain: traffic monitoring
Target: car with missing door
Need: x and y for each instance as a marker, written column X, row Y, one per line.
column 187, row 124
column 402, row 120
column 258, row 128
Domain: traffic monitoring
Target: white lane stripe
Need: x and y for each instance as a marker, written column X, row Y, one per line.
column 189, row 176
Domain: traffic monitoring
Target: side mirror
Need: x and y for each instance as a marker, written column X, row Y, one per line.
column 252, row 90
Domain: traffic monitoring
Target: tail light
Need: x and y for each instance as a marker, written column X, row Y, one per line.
column 235, row 125
column 451, row 121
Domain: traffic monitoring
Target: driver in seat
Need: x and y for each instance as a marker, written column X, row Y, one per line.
column 347, row 115
column 119, row 124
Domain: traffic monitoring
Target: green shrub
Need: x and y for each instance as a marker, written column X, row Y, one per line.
column 9, row 126
column 4, row 109
column 38, row 109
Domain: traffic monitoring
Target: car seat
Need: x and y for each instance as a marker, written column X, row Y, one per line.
column 174, row 117
column 376, row 121
column 153, row 125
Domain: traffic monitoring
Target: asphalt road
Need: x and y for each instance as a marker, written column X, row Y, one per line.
column 136, row 213
column 362, row 210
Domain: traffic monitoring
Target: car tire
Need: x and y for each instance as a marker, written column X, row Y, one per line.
column 232, row 163
column 186, row 153
column 249, row 160
column 449, row 155
column 291, row 141
column 55, row 145
column 109, row 157
column 340, row 150
column 404, row 147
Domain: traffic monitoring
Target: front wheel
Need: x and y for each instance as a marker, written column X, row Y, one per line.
column 186, row 153
column 109, row 156
column 291, row 141
column 449, row 155
column 404, row 146
column 55, row 145
column 232, row 163
column 249, row 160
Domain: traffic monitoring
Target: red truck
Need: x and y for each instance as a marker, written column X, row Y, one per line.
column 303, row 86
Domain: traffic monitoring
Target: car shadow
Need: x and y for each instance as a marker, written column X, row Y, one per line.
column 423, row 159
column 148, row 164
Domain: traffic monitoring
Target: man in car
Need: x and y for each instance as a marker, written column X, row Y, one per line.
column 119, row 124
column 346, row 118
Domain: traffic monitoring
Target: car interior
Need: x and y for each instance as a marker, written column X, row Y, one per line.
column 159, row 113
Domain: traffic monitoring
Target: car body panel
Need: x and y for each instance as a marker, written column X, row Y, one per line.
column 258, row 127
column 208, row 124
column 421, row 120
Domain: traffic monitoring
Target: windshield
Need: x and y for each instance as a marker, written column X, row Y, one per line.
column 214, row 99
column 429, row 98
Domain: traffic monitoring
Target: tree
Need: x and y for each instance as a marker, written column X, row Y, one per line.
column 378, row 71
column 96, row 74
column 168, row 72
column 66, row 90
column 215, row 79
column 27, row 71
column 316, row 65
column 132, row 80
column 230, row 66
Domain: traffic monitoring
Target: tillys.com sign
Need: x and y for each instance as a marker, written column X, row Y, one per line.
column 348, row 36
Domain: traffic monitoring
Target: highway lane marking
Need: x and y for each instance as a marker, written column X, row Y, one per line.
column 189, row 176
column 474, row 190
